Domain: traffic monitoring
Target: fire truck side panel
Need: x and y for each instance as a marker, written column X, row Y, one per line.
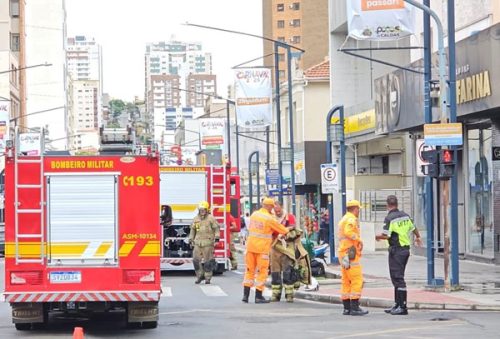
column 100, row 240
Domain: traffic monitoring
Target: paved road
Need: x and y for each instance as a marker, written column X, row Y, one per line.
column 215, row 311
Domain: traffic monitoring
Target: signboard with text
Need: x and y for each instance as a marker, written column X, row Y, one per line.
column 380, row 20
column 449, row 134
column 30, row 143
column 253, row 94
column 212, row 133
column 272, row 183
column 329, row 179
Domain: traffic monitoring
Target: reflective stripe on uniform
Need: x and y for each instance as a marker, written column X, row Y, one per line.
column 260, row 235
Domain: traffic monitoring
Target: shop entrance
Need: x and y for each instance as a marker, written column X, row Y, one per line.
column 480, row 186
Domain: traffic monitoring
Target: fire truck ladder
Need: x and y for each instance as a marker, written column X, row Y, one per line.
column 218, row 199
column 20, row 160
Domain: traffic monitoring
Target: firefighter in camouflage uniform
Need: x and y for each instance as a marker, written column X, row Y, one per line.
column 204, row 233
column 290, row 263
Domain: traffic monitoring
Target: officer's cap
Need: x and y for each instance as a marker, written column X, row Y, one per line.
column 353, row 203
column 268, row 201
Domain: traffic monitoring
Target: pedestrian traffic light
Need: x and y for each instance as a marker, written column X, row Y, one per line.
column 446, row 163
column 431, row 169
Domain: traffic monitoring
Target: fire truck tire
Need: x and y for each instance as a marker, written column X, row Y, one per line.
column 23, row 326
column 150, row 324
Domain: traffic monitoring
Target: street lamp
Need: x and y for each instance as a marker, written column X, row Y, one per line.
column 250, row 184
column 335, row 135
column 277, row 45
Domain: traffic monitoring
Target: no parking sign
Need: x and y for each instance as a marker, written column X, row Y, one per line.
column 329, row 178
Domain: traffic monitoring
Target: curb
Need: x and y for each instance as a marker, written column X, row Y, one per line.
column 385, row 303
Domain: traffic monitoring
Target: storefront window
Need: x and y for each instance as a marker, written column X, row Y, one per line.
column 480, row 178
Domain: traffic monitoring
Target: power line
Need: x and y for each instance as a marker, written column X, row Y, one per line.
column 38, row 112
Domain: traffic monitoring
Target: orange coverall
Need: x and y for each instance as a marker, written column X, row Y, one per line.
column 260, row 237
column 352, row 278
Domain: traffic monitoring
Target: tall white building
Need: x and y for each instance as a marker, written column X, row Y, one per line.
column 83, row 115
column 46, row 86
column 174, row 71
column 84, row 59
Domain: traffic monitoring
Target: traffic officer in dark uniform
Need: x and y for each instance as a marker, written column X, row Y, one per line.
column 397, row 228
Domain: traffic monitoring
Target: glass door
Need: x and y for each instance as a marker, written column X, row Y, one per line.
column 480, row 185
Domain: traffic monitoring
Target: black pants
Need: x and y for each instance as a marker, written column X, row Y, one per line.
column 324, row 235
column 398, row 258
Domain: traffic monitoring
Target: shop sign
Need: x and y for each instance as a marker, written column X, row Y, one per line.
column 474, row 87
column 358, row 122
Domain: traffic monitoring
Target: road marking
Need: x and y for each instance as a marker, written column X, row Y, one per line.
column 396, row 330
column 213, row 291
column 166, row 291
column 237, row 272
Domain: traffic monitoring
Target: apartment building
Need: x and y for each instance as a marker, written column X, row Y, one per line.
column 300, row 23
column 45, row 23
column 9, row 60
column 178, row 77
column 84, row 115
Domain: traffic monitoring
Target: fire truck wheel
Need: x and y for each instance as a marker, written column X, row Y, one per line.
column 150, row 324
column 23, row 326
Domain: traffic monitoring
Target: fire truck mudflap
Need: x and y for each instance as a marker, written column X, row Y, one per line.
column 82, row 236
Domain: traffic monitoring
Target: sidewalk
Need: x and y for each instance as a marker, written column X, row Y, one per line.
column 480, row 285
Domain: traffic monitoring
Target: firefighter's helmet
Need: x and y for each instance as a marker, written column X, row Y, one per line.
column 204, row 205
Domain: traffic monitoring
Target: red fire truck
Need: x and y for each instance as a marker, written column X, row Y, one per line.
column 82, row 236
column 181, row 190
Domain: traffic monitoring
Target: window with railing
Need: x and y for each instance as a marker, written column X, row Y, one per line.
column 375, row 206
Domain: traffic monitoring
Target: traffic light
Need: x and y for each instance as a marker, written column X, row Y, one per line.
column 446, row 163
column 432, row 168
column 441, row 163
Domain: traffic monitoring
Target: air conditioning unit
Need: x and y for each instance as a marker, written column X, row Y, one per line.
column 292, row 23
column 290, row 6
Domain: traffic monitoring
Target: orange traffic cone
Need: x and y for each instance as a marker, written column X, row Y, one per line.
column 78, row 333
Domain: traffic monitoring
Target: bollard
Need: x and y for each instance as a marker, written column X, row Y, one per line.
column 78, row 333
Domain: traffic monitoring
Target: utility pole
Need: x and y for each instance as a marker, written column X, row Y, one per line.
column 444, row 119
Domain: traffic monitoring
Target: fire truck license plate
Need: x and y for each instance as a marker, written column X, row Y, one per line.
column 65, row 277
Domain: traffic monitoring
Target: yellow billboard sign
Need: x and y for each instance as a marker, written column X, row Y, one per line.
column 357, row 122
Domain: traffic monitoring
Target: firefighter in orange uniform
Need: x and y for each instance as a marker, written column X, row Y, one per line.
column 349, row 252
column 262, row 227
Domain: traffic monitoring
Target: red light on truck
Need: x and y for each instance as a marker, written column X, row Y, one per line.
column 26, row 278
column 139, row 276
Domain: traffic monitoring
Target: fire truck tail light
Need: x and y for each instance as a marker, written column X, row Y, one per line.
column 26, row 278
column 139, row 276
column 219, row 245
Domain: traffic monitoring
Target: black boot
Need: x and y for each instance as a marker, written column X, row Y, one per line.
column 347, row 306
column 198, row 280
column 259, row 299
column 355, row 309
column 401, row 309
column 246, row 294
column 396, row 302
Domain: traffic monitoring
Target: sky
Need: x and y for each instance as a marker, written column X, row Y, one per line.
column 124, row 27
